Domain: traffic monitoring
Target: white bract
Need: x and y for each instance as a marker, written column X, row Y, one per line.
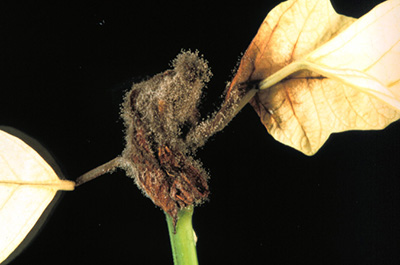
column 27, row 185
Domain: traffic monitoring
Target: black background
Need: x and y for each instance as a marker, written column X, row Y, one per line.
column 64, row 67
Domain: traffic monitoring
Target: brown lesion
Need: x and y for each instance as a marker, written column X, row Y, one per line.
column 169, row 178
column 165, row 171
column 189, row 183
column 162, row 133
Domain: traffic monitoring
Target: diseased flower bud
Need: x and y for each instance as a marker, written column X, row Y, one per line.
column 163, row 131
column 156, row 153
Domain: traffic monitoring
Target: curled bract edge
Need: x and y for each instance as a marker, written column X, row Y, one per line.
column 321, row 72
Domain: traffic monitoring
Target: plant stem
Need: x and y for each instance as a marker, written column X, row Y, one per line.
column 98, row 171
column 281, row 74
column 182, row 238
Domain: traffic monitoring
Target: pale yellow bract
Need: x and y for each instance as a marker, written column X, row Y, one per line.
column 324, row 73
column 27, row 185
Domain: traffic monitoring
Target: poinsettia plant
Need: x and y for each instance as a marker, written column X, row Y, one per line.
column 308, row 72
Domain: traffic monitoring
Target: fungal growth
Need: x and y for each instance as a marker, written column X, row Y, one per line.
column 164, row 129
column 157, row 154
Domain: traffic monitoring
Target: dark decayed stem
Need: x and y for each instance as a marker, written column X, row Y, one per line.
column 98, row 171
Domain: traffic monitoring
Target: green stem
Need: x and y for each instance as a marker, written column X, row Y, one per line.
column 281, row 74
column 182, row 238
